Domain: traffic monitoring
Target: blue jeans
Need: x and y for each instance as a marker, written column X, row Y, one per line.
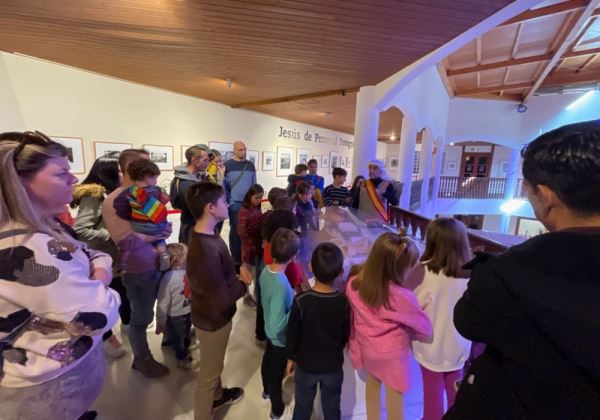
column 142, row 290
column 306, row 388
column 177, row 330
column 235, row 242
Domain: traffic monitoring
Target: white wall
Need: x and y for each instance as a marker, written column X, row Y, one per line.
column 451, row 154
column 499, row 122
column 63, row 101
column 477, row 206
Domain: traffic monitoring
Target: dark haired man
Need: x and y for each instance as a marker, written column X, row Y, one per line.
column 536, row 306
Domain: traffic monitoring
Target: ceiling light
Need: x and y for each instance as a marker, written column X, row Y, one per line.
column 512, row 206
column 580, row 101
column 392, row 137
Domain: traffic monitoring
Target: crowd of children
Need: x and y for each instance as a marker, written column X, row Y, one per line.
column 304, row 332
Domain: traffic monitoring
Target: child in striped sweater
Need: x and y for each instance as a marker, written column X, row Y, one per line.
column 144, row 204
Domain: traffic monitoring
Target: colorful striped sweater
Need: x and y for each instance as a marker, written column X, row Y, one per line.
column 145, row 204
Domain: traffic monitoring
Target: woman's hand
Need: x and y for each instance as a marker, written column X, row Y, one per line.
column 101, row 274
column 291, row 368
column 245, row 275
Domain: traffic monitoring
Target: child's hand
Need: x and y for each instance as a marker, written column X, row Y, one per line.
column 159, row 329
column 291, row 368
column 101, row 274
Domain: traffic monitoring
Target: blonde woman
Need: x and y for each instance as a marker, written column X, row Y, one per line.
column 55, row 303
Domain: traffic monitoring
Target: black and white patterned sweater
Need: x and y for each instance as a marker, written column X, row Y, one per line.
column 51, row 313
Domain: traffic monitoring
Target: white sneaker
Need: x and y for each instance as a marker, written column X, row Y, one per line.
column 188, row 364
column 112, row 351
column 194, row 345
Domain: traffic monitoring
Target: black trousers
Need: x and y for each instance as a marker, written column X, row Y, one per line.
column 125, row 309
column 272, row 371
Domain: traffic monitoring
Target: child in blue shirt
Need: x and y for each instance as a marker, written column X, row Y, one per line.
column 276, row 299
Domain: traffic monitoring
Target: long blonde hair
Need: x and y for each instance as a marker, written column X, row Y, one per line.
column 391, row 258
column 22, row 155
column 447, row 247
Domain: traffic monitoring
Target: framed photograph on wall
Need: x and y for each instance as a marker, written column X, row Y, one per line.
column 302, row 156
column 349, row 162
column 285, row 159
column 451, row 165
column 183, row 149
column 109, row 149
column 226, row 149
column 334, row 160
column 503, row 167
column 161, row 155
column 392, row 162
column 75, row 153
column 324, row 161
column 253, row 156
column 268, row 161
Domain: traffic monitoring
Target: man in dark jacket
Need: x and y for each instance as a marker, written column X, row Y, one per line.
column 186, row 176
column 537, row 306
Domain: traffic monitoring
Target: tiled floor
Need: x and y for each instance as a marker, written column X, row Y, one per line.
column 129, row 396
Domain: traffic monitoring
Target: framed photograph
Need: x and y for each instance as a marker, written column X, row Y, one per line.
column 324, row 161
column 161, row 155
column 285, row 159
column 393, row 162
column 253, row 156
column 451, row 165
column 75, row 154
column 183, row 149
column 268, row 161
column 334, row 160
column 302, row 156
column 349, row 162
column 109, row 149
column 226, row 149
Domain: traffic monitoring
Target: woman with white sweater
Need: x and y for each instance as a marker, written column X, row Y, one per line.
column 55, row 302
column 444, row 282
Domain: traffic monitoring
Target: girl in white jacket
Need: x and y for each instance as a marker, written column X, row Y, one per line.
column 444, row 282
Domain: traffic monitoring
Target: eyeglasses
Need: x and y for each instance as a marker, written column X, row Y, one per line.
column 30, row 137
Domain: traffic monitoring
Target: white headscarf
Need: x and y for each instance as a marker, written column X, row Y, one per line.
column 379, row 163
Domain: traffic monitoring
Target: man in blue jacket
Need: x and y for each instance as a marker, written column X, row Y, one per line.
column 240, row 175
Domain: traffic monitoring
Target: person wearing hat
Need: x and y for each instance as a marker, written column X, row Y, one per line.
column 376, row 193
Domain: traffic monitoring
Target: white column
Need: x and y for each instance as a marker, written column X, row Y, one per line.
column 406, row 156
column 437, row 170
column 510, row 187
column 366, row 128
column 426, row 150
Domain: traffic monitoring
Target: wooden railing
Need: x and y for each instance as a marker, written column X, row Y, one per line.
column 415, row 225
column 471, row 187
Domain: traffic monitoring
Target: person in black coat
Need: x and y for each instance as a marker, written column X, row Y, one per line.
column 537, row 306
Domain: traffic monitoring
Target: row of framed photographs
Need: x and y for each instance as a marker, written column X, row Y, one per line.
column 283, row 162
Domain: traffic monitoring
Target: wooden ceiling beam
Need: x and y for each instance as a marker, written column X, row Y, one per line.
column 592, row 51
column 498, row 88
column 342, row 92
column 565, row 7
column 587, row 62
column 500, row 64
column 571, row 31
column 572, row 79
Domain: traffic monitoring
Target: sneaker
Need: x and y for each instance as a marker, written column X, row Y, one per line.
column 188, row 364
column 249, row 302
column 230, row 396
column 286, row 415
column 194, row 345
column 164, row 262
column 113, row 351
column 150, row 368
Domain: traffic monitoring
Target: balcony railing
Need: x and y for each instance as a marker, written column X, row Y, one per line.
column 520, row 192
column 415, row 225
column 471, row 187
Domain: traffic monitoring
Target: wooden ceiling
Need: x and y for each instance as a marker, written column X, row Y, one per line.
column 268, row 48
column 547, row 49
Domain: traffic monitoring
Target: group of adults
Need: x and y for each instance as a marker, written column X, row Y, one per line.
column 536, row 306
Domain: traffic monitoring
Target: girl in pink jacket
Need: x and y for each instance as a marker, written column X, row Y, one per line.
column 385, row 317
